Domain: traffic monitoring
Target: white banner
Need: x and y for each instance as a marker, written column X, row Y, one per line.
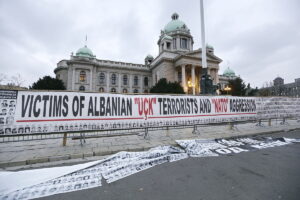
column 41, row 112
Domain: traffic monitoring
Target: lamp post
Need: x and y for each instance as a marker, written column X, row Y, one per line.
column 227, row 89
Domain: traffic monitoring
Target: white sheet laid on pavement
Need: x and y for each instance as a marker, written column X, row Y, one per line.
column 12, row 181
column 44, row 182
column 37, row 183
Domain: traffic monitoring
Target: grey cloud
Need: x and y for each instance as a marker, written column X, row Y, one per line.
column 260, row 39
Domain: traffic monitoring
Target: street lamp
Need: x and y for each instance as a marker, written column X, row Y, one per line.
column 227, row 89
column 190, row 84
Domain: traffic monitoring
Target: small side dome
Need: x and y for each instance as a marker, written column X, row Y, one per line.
column 148, row 59
column 85, row 52
column 175, row 24
column 228, row 72
column 209, row 46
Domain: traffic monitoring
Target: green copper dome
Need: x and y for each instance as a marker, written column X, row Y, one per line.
column 149, row 56
column 175, row 24
column 209, row 46
column 85, row 52
column 228, row 72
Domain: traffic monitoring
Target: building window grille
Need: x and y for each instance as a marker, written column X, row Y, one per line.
column 125, row 80
column 82, row 76
column 82, row 88
column 136, row 80
column 102, row 78
column 113, row 79
column 113, row 90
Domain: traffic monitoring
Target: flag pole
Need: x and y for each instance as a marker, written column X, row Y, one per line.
column 204, row 63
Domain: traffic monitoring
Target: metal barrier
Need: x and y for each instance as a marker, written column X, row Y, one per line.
column 82, row 135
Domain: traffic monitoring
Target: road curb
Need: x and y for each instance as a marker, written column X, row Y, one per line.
column 4, row 165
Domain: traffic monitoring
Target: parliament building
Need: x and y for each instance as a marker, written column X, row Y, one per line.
column 177, row 61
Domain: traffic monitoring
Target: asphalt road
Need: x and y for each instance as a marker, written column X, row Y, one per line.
column 272, row 173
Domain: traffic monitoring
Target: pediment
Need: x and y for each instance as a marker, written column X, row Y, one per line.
column 198, row 54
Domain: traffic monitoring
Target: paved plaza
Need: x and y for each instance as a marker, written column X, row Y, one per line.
column 27, row 154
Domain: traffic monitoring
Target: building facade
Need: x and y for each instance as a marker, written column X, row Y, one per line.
column 177, row 61
column 281, row 89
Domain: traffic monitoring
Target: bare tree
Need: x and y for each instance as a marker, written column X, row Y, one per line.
column 16, row 80
column 2, row 78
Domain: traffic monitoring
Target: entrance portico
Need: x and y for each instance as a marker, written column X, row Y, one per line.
column 189, row 77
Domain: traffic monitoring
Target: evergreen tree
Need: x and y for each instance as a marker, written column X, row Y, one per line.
column 163, row 86
column 238, row 87
column 48, row 83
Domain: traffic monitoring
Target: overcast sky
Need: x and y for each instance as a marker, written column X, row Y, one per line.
column 258, row 39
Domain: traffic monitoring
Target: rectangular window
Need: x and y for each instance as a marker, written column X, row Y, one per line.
column 168, row 45
column 183, row 43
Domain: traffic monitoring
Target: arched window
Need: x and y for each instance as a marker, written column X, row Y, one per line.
column 145, row 91
column 101, row 89
column 136, row 81
column 125, row 79
column 113, row 90
column 135, row 91
column 102, row 78
column 146, row 81
column 82, row 76
column 82, row 88
column 113, row 79
column 125, row 91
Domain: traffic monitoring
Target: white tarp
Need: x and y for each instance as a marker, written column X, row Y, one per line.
column 44, row 182
column 12, row 181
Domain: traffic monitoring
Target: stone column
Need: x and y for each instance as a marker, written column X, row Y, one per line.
column 193, row 79
column 73, row 79
column 183, row 77
column 91, row 79
column 178, row 43
column 130, row 83
column 217, row 76
column 107, row 82
column 208, row 70
column 200, row 75
column 142, row 84
column 153, row 79
column 119, row 83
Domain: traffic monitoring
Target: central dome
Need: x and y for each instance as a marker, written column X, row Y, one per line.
column 85, row 52
column 175, row 24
